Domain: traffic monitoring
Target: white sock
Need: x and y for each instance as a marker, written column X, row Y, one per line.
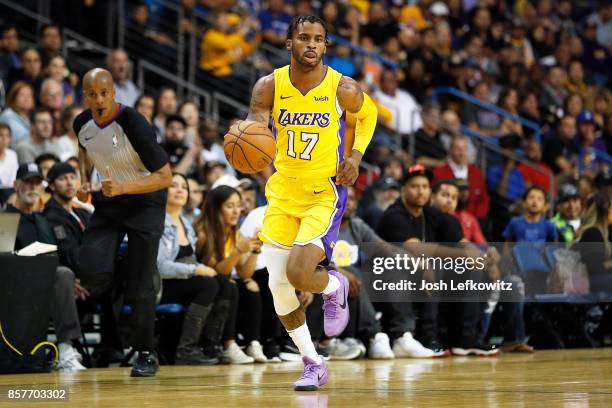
column 301, row 338
column 332, row 285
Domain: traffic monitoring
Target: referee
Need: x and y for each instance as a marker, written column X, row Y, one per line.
column 120, row 144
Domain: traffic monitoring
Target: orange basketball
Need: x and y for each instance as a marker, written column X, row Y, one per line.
column 249, row 146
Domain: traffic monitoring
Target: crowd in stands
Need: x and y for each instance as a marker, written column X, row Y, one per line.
column 439, row 169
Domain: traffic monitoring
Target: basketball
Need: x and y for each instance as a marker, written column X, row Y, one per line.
column 249, row 146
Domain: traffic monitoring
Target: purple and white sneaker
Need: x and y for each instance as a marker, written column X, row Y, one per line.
column 335, row 307
column 313, row 377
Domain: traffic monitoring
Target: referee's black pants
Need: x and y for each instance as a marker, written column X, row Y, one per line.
column 143, row 226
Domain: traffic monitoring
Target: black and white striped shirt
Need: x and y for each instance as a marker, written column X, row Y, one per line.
column 127, row 145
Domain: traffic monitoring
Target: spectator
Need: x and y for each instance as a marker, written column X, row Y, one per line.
column 145, row 105
column 213, row 171
column 469, row 223
column 573, row 105
column 166, row 105
column 34, row 227
column 41, row 139
column 596, row 58
column 229, row 41
column 20, row 104
column 69, row 142
column 44, row 162
column 428, row 147
column 58, row 71
column 182, row 158
column 403, row 107
column 560, row 151
column 554, row 91
column 483, row 121
column 458, row 167
column 50, row 42
column 52, row 99
column 601, row 107
column 386, row 192
column 451, row 128
column 31, row 70
column 193, row 208
column 350, row 25
column 532, row 226
column 575, row 79
column 380, row 27
column 8, row 161
column 185, row 280
column 67, row 222
column 602, row 18
column 9, row 50
column 211, row 142
column 594, row 238
column 342, row 60
column 445, row 196
column 569, row 211
column 221, row 246
column 118, row 64
column 410, row 220
column 588, row 144
column 274, row 21
column 354, row 233
column 191, row 113
column 535, row 173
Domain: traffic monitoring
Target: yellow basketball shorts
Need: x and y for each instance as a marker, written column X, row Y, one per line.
column 301, row 211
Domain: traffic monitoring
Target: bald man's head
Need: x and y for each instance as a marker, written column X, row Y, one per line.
column 97, row 75
column 99, row 92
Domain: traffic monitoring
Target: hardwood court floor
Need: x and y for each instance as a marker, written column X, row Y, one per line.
column 570, row 378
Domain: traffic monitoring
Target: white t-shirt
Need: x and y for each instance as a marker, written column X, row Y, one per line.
column 406, row 111
column 251, row 223
column 8, row 169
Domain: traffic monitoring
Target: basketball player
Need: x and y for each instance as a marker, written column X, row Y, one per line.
column 121, row 145
column 307, row 195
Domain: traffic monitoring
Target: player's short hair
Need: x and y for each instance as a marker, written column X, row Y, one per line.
column 297, row 20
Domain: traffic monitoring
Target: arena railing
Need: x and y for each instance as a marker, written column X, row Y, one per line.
column 488, row 106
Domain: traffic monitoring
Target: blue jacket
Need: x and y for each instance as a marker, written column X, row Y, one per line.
column 169, row 249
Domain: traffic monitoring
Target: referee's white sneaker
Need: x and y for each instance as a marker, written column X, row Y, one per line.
column 408, row 346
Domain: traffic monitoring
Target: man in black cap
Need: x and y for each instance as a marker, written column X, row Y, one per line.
column 569, row 210
column 411, row 220
column 386, row 191
column 34, row 227
column 68, row 223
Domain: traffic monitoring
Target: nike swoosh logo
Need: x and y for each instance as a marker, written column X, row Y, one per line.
column 318, row 192
column 343, row 305
column 88, row 139
column 286, row 97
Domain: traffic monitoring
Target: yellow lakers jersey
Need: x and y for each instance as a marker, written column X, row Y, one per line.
column 309, row 129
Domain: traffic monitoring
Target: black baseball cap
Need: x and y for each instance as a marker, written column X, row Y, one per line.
column 567, row 191
column 28, row 171
column 415, row 171
column 387, row 183
column 175, row 118
column 59, row 169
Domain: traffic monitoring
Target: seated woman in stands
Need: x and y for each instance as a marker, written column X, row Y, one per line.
column 185, row 280
column 221, row 246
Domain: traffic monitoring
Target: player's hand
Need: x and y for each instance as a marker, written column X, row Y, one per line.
column 79, row 291
column 110, row 186
column 354, row 283
column 348, row 171
column 83, row 192
column 203, row 270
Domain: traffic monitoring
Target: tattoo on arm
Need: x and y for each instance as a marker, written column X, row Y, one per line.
column 262, row 100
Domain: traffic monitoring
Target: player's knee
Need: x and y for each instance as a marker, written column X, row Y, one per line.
column 285, row 300
column 297, row 275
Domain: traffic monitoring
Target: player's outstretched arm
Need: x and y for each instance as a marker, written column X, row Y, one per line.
column 262, row 100
column 354, row 101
